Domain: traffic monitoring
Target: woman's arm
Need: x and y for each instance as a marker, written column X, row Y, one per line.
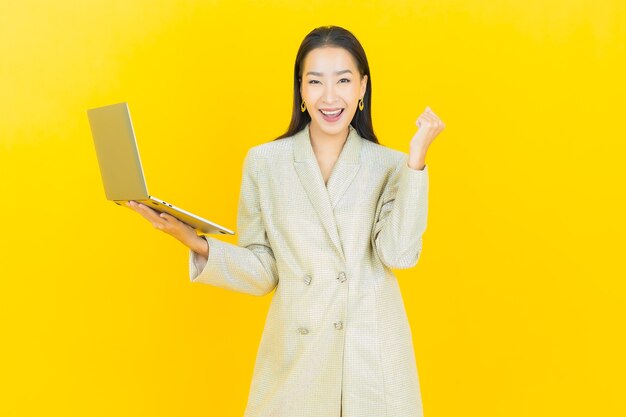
column 248, row 267
column 402, row 210
column 401, row 216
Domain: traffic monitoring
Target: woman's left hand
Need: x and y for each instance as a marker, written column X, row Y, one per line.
column 430, row 125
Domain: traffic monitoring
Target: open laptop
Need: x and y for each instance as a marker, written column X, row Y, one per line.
column 121, row 170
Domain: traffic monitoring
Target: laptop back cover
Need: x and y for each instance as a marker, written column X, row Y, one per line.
column 116, row 149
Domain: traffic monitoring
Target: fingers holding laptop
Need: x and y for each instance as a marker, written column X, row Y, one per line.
column 172, row 226
column 165, row 222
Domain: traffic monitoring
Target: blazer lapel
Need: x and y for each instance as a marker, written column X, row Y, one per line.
column 323, row 197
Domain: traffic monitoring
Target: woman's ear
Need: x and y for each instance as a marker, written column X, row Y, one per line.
column 363, row 85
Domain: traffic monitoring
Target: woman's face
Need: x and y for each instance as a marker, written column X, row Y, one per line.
column 331, row 81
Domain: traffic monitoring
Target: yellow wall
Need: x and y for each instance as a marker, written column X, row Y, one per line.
column 518, row 302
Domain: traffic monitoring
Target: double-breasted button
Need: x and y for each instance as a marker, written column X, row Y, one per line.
column 303, row 330
column 342, row 276
column 338, row 325
column 307, row 279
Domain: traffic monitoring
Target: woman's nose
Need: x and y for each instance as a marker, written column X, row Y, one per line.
column 330, row 94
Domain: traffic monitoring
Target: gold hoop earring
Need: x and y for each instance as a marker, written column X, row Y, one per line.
column 302, row 106
column 361, row 104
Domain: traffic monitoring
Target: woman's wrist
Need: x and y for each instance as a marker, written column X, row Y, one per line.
column 417, row 158
column 201, row 246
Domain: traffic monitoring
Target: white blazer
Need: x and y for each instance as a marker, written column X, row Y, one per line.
column 336, row 341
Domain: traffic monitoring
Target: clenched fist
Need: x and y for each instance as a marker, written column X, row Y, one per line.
column 430, row 125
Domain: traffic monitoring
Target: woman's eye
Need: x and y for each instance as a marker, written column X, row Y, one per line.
column 316, row 81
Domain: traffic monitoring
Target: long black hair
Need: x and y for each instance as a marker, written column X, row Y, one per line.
column 325, row 36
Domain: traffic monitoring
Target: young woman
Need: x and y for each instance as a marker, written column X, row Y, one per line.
column 325, row 213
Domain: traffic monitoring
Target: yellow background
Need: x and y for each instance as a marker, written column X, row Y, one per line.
column 518, row 302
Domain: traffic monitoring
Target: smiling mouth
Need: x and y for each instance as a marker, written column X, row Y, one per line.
column 333, row 113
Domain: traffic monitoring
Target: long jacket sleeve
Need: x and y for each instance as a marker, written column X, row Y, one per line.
column 401, row 217
column 250, row 266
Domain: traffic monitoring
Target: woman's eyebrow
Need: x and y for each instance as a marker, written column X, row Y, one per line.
column 319, row 74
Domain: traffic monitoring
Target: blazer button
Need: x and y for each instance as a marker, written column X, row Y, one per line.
column 307, row 279
column 338, row 325
column 303, row 330
column 342, row 276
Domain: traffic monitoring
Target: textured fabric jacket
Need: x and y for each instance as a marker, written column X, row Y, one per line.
column 336, row 340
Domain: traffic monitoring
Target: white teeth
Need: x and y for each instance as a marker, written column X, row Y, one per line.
column 333, row 113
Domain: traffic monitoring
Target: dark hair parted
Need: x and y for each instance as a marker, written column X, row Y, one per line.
column 332, row 36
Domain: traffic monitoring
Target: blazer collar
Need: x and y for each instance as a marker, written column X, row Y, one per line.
column 324, row 197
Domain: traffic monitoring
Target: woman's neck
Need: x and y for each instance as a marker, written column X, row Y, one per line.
column 324, row 144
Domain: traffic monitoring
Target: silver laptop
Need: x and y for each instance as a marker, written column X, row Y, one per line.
column 121, row 170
